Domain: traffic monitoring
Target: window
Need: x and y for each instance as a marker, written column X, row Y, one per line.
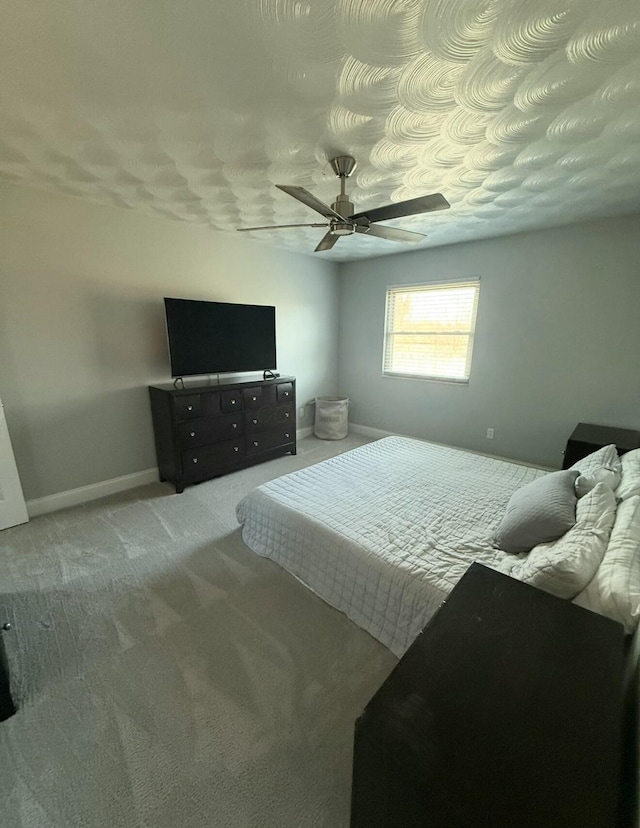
column 429, row 330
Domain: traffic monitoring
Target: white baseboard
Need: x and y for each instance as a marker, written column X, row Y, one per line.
column 75, row 497
column 367, row 431
column 94, row 491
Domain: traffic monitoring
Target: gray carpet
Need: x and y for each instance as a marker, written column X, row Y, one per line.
column 168, row 676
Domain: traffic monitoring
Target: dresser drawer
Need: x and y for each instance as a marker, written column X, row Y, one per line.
column 256, row 420
column 207, row 461
column 284, row 392
column 258, row 397
column 285, row 415
column 211, row 404
column 266, row 418
column 201, row 432
column 230, row 401
column 188, row 406
column 278, row 436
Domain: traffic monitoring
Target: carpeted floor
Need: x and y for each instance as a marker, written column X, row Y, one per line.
column 167, row 676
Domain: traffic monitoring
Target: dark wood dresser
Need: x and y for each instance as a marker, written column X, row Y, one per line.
column 506, row 712
column 203, row 431
column 7, row 707
column 589, row 437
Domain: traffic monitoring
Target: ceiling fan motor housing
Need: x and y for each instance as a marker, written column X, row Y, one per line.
column 345, row 208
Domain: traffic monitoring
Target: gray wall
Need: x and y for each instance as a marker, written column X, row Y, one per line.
column 82, row 333
column 557, row 340
column 82, row 329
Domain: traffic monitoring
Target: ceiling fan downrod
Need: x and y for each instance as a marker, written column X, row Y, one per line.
column 343, row 166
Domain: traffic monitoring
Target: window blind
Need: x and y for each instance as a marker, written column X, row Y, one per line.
column 429, row 330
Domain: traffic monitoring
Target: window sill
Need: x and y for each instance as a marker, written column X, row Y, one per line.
column 446, row 380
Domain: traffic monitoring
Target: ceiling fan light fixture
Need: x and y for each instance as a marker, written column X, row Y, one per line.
column 342, row 228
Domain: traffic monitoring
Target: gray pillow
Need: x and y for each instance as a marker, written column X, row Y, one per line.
column 541, row 511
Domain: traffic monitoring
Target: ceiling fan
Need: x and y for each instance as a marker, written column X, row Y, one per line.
column 341, row 219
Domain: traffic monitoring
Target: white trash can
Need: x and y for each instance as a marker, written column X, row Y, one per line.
column 332, row 418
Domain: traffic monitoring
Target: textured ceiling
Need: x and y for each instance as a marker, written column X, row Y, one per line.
column 523, row 113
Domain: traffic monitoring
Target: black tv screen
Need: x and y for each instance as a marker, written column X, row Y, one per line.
column 218, row 337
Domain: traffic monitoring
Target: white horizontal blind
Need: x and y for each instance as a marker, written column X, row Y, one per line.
column 429, row 330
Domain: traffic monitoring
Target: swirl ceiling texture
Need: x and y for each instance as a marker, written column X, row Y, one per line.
column 523, row 113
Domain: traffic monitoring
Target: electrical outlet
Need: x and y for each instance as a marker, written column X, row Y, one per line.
column 301, row 411
column 490, row 433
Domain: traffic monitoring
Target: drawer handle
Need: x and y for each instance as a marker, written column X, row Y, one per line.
column 286, row 394
column 234, row 425
column 254, row 398
column 254, row 421
column 189, row 408
column 287, row 435
column 236, row 448
column 195, row 459
column 233, row 402
column 255, row 442
column 192, row 434
column 286, row 415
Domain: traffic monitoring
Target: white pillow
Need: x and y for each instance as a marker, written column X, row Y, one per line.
column 615, row 588
column 606, row 456
column 609, row 476
column 630, row 484
column 565, row 566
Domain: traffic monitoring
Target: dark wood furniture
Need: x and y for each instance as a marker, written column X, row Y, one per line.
column 505, row 711
column 587, row 437
column 7, row 707
column 203, row 431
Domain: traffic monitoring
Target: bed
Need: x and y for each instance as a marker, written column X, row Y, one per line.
column 385, row 531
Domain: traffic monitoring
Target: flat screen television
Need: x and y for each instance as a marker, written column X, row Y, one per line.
column 219, row 337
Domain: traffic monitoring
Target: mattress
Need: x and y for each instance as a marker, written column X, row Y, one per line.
column 384, row 532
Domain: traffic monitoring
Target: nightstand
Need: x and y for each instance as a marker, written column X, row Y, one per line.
column 505, row 711
column 587, row 438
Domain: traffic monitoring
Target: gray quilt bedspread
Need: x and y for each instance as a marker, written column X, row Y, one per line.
column 385, row 531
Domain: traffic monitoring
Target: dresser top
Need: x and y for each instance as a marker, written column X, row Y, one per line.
column 198, row 386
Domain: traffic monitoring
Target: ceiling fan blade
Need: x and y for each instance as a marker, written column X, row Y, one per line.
column 391, row 233
column 310, row 200
column 276, row 227
column 327, row 242
column 424, row 204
